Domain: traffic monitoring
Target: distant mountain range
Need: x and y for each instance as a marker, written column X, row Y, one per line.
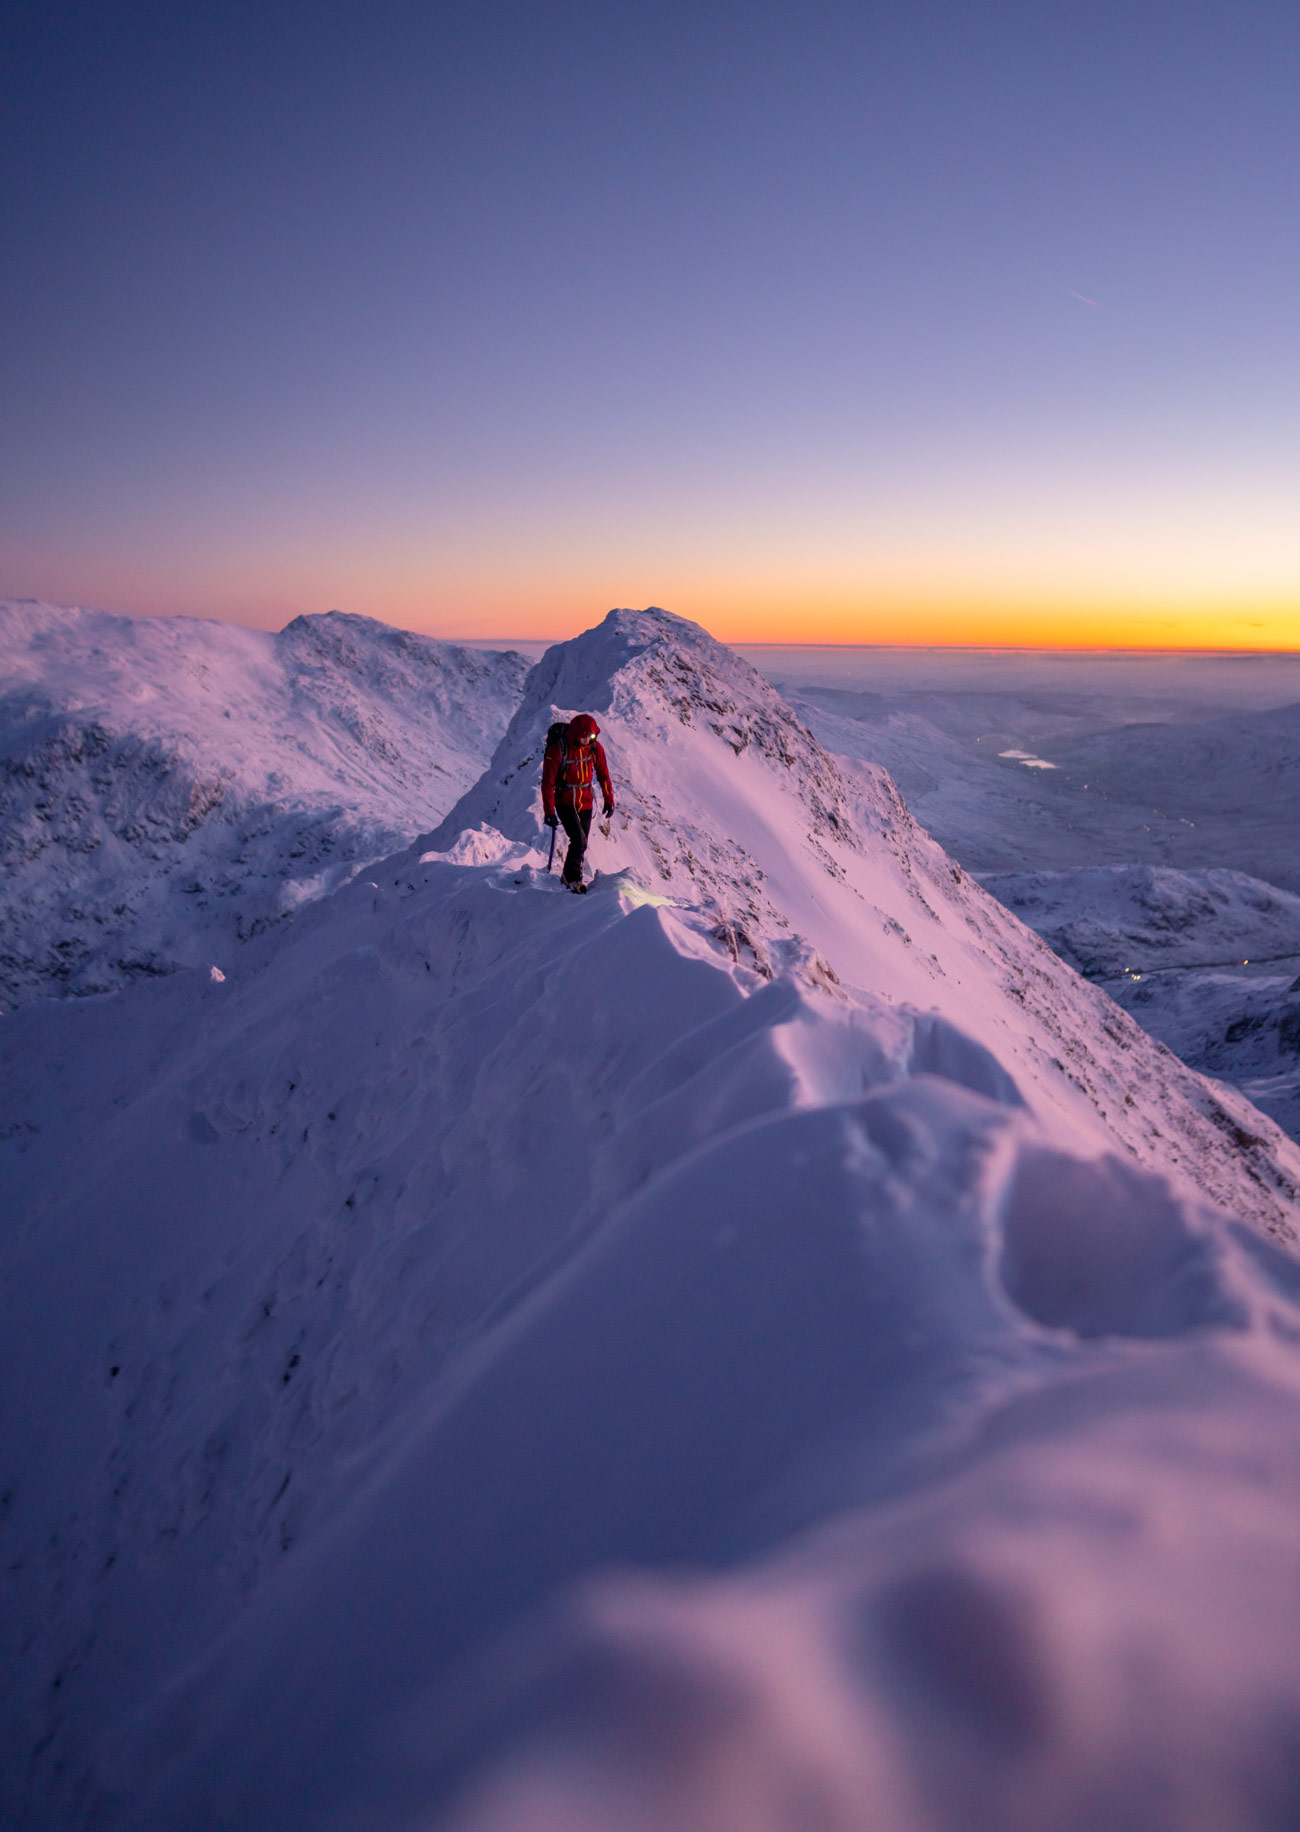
column 169, row 787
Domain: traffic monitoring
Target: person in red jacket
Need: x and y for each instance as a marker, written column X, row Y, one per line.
column 574, row 761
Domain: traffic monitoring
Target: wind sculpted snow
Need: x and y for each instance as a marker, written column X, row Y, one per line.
column 169, row 786
column 750, row 1346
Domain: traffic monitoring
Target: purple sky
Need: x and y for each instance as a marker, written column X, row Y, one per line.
column 483, row 318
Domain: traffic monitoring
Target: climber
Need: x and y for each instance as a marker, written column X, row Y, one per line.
column 572, row 762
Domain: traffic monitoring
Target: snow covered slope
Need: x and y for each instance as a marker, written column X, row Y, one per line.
column 1085, row 852
column 470, row 1239
column 1205, row 961
column 1117, row 921
column 727, row 802
column 170, row 786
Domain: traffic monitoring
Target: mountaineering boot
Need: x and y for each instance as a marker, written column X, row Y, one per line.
column 579, row 890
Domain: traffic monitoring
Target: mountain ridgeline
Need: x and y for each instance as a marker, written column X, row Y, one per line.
column 169, row 787
column 765, row 1344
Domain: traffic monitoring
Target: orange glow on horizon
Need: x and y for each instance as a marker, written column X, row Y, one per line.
column 793, row 618
column 1011, row 625
column 555, row 601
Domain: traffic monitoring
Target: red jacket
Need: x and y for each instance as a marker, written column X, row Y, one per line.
column 568, row 771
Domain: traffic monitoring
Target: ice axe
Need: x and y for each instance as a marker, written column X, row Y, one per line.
column 550, row 861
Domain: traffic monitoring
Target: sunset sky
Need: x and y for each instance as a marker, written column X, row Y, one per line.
column 963, row 321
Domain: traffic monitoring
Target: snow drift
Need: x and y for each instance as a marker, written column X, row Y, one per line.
column 750, row 1346
column 169, row 786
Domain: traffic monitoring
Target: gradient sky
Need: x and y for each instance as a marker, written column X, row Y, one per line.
column 482, row 318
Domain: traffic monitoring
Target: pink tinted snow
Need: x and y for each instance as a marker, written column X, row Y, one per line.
column 721, row 1353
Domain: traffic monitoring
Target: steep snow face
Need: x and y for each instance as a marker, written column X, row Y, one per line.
column 1168, row 944
column 727, row 803
column 1243, row 1026
column 169, row 787
column 1205, row 961
column 776, row 1212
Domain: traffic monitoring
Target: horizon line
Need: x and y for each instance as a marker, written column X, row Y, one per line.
column 971, row 648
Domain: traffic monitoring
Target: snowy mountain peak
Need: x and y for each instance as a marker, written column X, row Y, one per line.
column 402, row 665
column 790, row 860
column 691, row 731
column 170, row 786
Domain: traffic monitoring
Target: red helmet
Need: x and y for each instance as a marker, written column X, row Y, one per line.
column 583, row 728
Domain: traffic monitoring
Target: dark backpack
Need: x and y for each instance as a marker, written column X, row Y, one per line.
column 557, row 739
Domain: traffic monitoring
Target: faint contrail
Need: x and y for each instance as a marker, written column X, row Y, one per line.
column 1083, row 297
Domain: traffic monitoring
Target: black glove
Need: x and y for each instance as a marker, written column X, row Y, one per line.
column 552, row 820
column 609, row 809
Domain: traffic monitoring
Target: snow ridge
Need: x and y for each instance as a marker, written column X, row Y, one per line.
column 500, row 1359
column 729, row 804
column 667, row 694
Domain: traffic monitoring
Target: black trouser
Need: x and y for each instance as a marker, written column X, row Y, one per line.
column 577, row 824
